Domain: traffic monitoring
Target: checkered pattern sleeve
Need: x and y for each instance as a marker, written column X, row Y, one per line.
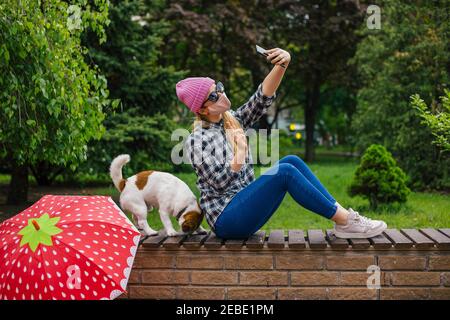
column 254, row 108
column 207, row 156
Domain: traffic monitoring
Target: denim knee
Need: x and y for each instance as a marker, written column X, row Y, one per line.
column 290, row 158
column 286, row 168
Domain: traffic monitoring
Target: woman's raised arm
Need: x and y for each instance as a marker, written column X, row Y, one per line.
column 273, row 79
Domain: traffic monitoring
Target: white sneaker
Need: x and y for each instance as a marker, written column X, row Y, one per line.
column 359, row 227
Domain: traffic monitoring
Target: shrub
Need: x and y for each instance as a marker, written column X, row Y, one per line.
column 145, row 138
column 378, row 178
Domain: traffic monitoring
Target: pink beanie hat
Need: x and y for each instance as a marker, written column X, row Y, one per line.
column 193, row 91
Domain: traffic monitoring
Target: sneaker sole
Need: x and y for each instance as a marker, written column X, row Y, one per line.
column 350, row 235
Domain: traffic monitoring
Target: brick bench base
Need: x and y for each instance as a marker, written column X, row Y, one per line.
column 283, row 270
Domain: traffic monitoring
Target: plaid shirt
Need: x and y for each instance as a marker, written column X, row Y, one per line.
column 210, row 154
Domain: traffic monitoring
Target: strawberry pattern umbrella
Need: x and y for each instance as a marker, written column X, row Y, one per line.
column 67, row 247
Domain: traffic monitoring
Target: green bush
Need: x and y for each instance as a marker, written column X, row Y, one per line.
column 145, row 138
column 378, row 178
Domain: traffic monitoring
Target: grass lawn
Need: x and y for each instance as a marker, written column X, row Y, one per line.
column 421, row 210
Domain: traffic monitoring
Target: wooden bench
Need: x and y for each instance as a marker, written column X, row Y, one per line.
column 409, row 263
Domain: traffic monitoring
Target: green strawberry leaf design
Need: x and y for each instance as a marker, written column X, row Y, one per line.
column 39, row 231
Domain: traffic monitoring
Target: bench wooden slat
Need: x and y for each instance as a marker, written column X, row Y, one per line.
column 380, row 242
column 276, row 239
column 195, row 240
column 445, row 231
column 154, row 241
column 256, row 240
column 398, row 239
column 296, row 239
column 174, row 242
column 359, row 243
column 316, row 239
column 441, row 241
column 213, row 241
column 335, row 242
column 234, row 243
column 420, row 241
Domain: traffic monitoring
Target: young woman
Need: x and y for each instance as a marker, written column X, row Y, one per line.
column 235, row 204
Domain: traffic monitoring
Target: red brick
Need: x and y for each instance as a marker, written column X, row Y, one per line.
column 299, row 262
column 152, row 292
column 440, row 293
column 199, row 262
column 360, row 278
column 135, row 277
column 404, row 293
column 150, row 261
column 352, row 293
column 401, row 263
column 266, row 278
column 165, row 277
column 340, row 262
column 202, row 293
column 446, row 279
column 243, row 293
column 415, row 278
column 439, row 263
column 302, row 293
column 314, row 278
column 249, row 262
column 214, row 277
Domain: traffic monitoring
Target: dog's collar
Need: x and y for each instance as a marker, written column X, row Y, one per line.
column 181, row 212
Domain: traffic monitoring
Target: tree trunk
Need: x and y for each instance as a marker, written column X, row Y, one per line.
column 45, row 173
column 18, row 187
column 311, row 108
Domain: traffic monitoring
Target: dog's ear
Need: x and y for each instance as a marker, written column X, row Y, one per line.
column 192, row 220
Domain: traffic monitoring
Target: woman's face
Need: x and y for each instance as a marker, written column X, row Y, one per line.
column 214, row 108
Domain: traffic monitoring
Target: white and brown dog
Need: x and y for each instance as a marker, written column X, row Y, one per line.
column 155, row 189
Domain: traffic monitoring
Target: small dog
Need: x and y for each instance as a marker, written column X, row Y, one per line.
column 155, row 189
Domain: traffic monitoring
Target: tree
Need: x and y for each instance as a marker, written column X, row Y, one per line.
column 130, row 59
column 52, row 102
column 408, row 55
column 324, row 34
column 438, row 120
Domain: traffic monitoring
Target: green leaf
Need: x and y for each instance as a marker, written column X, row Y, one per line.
column 31, row 123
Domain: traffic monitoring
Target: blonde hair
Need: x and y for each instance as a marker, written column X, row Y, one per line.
column 230, row 123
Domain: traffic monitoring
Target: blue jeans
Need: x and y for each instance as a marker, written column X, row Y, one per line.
column 251, row 207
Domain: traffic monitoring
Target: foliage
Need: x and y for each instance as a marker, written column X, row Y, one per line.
column 378, row 178
column 130, row 58
column 146, row 89
column 438, row 121
column 322, row 38
column 51, row 101
column 408, row 55
column 146, row 139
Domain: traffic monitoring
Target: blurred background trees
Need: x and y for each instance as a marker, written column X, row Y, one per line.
column 72, row 99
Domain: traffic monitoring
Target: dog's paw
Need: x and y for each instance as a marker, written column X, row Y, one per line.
column 173, row 233
column 151, row 233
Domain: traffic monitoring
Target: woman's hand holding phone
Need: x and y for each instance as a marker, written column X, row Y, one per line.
column 278, row 56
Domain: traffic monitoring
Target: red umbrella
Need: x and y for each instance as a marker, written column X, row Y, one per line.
column 67, row 247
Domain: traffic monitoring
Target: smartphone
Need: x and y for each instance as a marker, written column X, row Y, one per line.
column 262, row 52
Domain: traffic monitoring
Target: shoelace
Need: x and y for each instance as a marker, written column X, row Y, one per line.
column 362, row 220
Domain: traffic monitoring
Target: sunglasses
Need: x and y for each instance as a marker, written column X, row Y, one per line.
column 214, row 96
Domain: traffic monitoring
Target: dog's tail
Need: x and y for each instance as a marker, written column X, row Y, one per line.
column 116, row 170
